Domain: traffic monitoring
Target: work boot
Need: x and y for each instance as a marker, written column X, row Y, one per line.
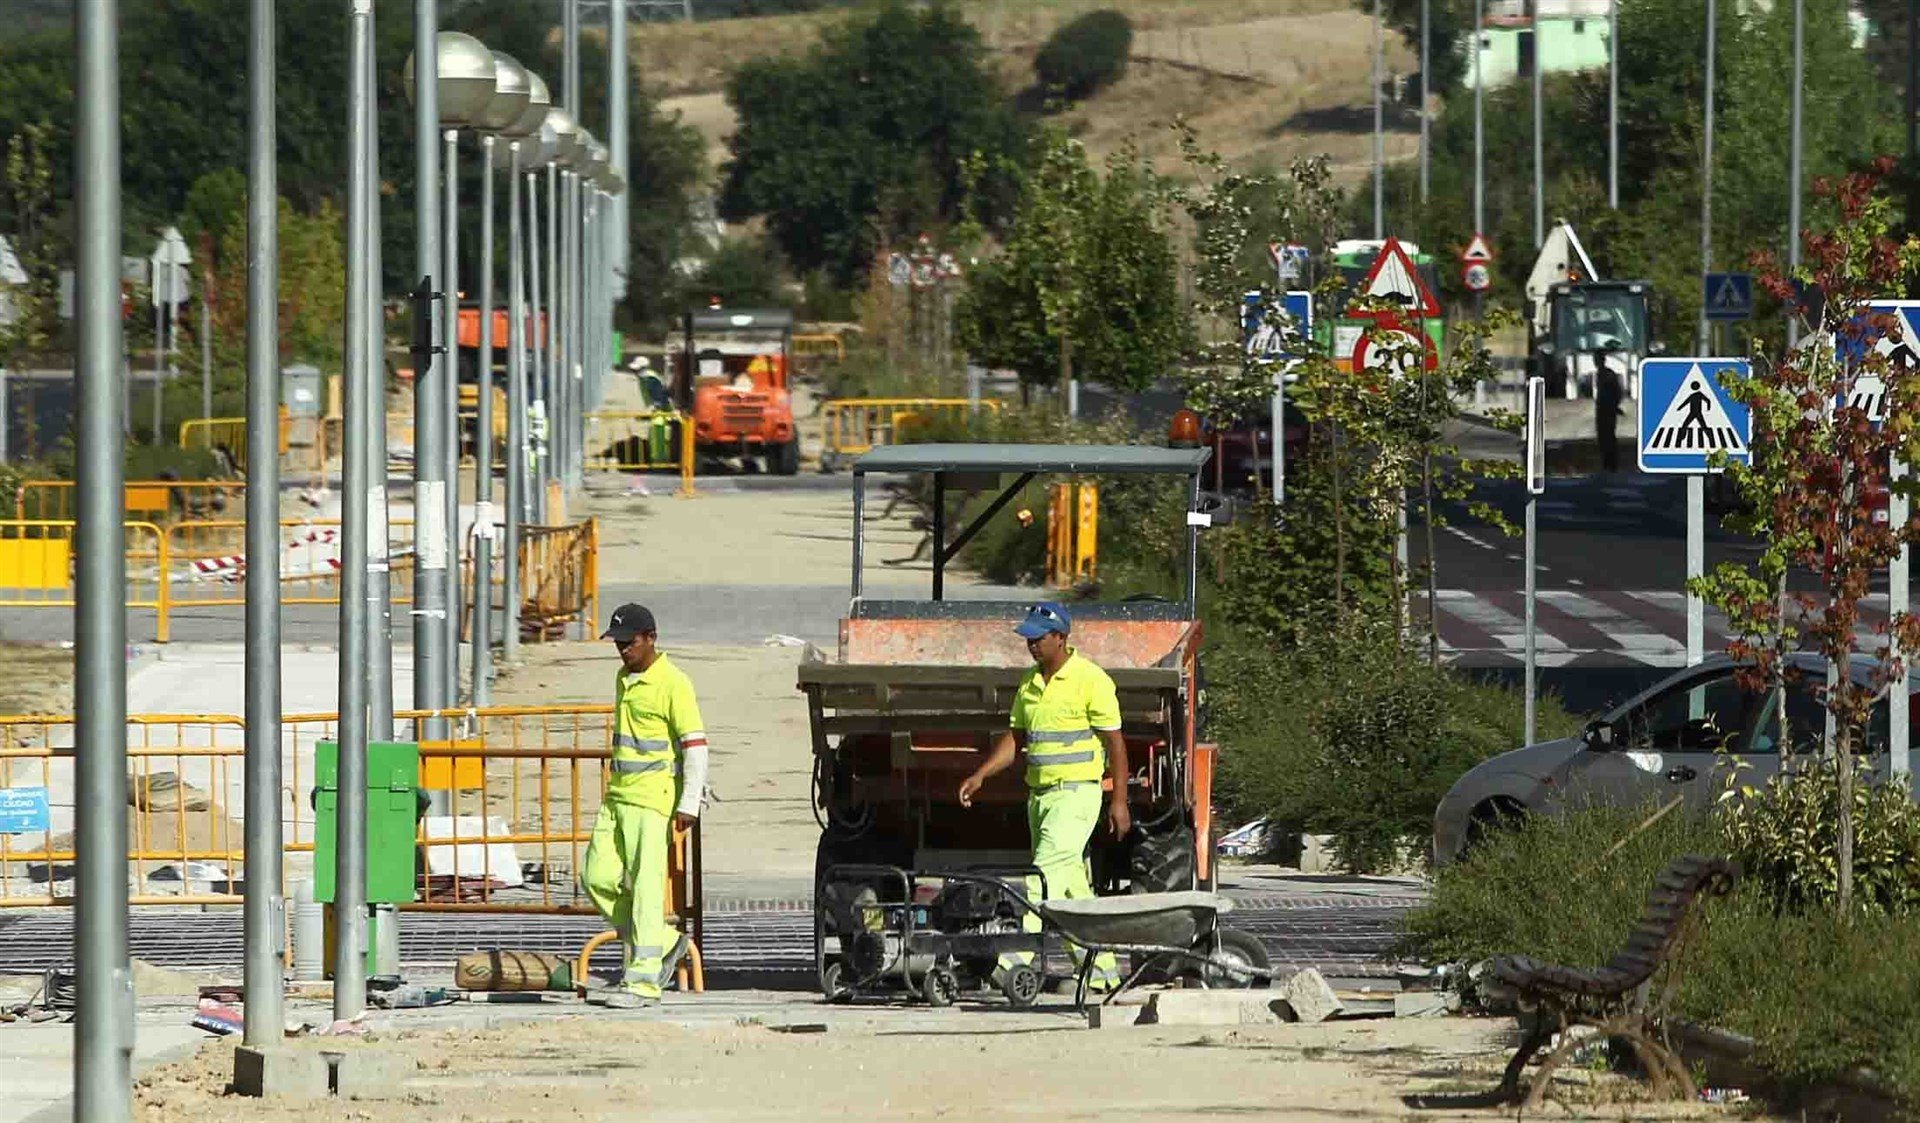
column 671, row 962
column 623, row 999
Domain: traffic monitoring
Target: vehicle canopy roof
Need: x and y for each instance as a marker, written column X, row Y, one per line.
column 739, row 319
column 1089, row 459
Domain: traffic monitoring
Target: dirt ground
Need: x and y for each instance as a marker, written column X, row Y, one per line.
column 971, row 1065
column 39, row 679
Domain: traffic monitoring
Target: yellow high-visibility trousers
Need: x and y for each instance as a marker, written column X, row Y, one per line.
column 625, row 875
column 1060, row 820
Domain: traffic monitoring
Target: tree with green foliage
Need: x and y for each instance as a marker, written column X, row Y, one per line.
column 866, row 137
column 1085, row 54
column 1816, row 455
column 1087, row 278
column 26, row 221
column 1449, row 23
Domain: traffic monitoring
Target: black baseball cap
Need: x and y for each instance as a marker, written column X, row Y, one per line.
column 628, row 621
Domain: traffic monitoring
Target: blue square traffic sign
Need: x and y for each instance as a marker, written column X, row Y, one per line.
column 1729, row 296
column 1686, row 415
column 24, row 811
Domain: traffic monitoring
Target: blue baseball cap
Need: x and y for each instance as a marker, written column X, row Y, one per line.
column 1047, row 616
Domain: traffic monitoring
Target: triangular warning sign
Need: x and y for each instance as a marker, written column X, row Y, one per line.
column 1696, row 420
column 1477, row 250
column 1394, row 278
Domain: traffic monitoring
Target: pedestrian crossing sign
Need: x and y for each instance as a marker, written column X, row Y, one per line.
column 1686, row 415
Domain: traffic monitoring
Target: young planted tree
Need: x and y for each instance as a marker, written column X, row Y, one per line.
column 1817, row 454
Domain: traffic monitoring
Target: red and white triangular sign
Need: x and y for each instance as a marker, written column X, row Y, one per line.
column 1393, row 278
column 1477, row 250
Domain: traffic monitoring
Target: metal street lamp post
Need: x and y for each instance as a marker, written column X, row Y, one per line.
column 522, row 142
column 463, row 85
column 512, row 91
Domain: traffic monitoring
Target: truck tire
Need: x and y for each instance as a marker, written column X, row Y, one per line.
column 785, row 459
column 1162, row 861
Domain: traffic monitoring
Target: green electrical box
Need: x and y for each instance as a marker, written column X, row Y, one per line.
column 394, row 802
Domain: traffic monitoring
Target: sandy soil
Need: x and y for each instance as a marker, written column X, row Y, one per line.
column 973, row 1065
column 39, row 679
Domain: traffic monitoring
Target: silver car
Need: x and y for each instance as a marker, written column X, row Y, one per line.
column 1681, row 736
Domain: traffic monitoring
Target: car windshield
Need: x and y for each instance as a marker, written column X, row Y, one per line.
column 1600, row 320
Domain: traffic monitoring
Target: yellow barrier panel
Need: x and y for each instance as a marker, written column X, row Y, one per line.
column 1073, row 533
column 640, row 440
column 36, row 566
column 820, row 345
column 528, row 782
column 229, row 434
column 152, row 500
column 559, row 578
column 852, row 426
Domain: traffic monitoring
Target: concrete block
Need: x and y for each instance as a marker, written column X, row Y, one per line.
column 280, row 1072
column 1310, row 996
column 1215, row 1008
column 367, row 1073
column 1114, row 1016
column 1424, row 1004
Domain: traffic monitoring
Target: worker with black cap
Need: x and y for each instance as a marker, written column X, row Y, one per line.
column 658, row 780
column 1066, row 717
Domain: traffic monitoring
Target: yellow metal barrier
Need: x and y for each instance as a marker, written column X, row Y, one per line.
column 36, row 566
column 639, row 440
column 230, row 435
column 527, row 783
column 185, row 795
column 154, row 500
column 820, row 345
column 852, row 426
column 559, row 578
column 1073, row 533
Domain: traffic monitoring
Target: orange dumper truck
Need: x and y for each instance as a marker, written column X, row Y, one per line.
column 732, row 378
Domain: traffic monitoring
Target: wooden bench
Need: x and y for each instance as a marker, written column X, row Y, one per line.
column 1612, row 999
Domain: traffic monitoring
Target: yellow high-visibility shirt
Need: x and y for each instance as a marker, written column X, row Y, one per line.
column 655, row 718
column 1062, row 718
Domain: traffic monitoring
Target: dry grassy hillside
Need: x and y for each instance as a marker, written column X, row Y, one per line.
column 1262, row 81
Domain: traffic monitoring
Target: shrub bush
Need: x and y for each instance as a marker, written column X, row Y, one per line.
column 1820, row 995
column 1085, row 54
column 1786, row 833
column 1348, row 731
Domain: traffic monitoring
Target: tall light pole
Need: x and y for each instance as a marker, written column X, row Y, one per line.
column 1479, row 129
column 522, row 148
column 103, row 1049
column 542, row 315
column 1706, row 183
column 617, row 232
column 1794, row 174
column 463, row 83
column 350, row 851
column 431, row 384
column 1426, row 130
column 1696, row 485
column 1379, row 137
column 1613, row 104
column 512, row 92
column 1539, row 114
column 562, row 126
column 379, row 561
column 265, row 935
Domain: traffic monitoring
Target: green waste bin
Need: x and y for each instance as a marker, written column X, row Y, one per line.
column 394, row 805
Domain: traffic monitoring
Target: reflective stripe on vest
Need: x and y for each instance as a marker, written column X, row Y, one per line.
column 1068, row 754
column 625, row 767
column 623, row 741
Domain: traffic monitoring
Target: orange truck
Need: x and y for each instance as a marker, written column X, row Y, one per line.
column 732, row 378
column 918, row 690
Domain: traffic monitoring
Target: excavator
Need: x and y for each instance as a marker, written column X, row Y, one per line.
column 1575, row 318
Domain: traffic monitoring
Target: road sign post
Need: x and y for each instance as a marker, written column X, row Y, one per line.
column 1536, row 454
column 1686, row 416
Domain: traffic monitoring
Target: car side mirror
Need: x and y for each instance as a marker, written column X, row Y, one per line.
column 1599, row 736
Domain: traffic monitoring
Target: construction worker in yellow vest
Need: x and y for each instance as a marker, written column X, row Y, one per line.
column 1066, row 716
column 658, row 780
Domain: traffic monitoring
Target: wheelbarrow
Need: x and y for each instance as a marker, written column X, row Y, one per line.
column 936, row 934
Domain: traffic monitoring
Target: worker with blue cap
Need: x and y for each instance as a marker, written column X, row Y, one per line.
column 1066, row 717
